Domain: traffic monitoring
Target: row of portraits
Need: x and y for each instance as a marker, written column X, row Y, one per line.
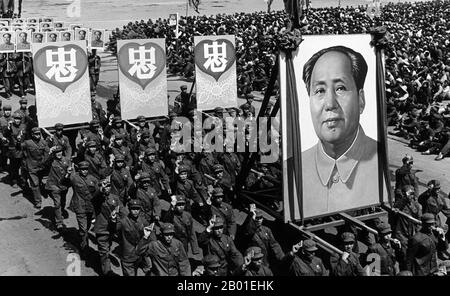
column 21, row 41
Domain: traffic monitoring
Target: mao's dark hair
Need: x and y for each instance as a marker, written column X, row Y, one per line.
column 358, row 64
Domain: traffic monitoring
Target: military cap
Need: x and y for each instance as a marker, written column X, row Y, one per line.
column 428, row 218
column 348, row 237
column 119, row 157
column 145, row 134
column 17, row 115
column 434, row 183
column 167, row 228
column 218, row 109
column 35, row 130
column 407, row 158
column 140, row 118
column 23, row 101
column 180, row 199
column 309, row 245
column 217, row 168
column 7, row 107
column 245, row 107
column 118, row 137
column 257, row 252
column 59, row 126
column 94, row 122
column 384, row 228
column 58, row 148
column 150, row 151
column 83, row 165
column 259, row 213
column 144, row 177
column 183, row 169
column 91, row 143
column 217, row 192
column 211, row 261
column 218, row 223
column 134, row 204
column 184, row 86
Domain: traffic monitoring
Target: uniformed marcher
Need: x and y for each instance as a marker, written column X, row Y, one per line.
column 96, row 134
column 58, row 139
column 186, row 187
column 115, row 128
column 404, row 176
column 105, row 224
column 121, row 180
column 56, row 186
column 136, row 133
column 183, row 223
column 253, row 264
column 118, row 148
column 257, row 234
column 85, row 187
column 210, row 267
column 302, row 260
column 433, row 203
column 36, row 155
column 348, row 264
column 148, row 198
column 152, row 166
column 166, row 255
column 421, row 257
column 23, row 110
column 216, row 207
column 4, row 123
column 389, row 249
column 214, row 241
column 130, row 230
column 224, row 182
column 15, row 135
column 97, row 163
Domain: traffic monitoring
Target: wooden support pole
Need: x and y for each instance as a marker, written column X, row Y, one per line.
column 403, row 214
column 357, row 222
column 131, row 124
column 322, row 243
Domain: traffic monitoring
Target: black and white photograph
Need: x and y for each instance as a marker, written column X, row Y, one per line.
column 324, row 149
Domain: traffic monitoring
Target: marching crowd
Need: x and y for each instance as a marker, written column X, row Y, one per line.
column 122, row 175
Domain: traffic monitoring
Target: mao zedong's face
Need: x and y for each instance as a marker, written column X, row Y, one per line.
column 335, row 102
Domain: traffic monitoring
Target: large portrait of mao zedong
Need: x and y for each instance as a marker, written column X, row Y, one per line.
column 338, row 111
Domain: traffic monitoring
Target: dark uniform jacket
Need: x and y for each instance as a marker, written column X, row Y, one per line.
column 225, row 211
column 403, row 228
column 184, row 228
column 187, row 189
column 114, row 132
column 62, row 141
column 340, row 268
column 421, row 256
column 84, row 190
column 157, row 171
column 167, row 260
column 131, row 233
column 404, row 176
column 388, row 257
column 125, row 151
column 230, row 258
column 101, row 143
column 97, row 165
column 104, row 224
column 15, row 136
column 151, row 205
column 36, row 154
column 299, row 266
column 58, row 170
column 262, row 237
column 121, row 182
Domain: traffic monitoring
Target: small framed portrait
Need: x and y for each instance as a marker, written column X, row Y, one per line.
column 7, row 40
column 31, row 29
column 51, row 36
column 47, row 20
column 97, row 39
column 46, row 25
column 66, row 36
column 33, row 20
column 73, row 27
column 81, row 33
column 37, row 37
column 58, row 24
column 23, row 44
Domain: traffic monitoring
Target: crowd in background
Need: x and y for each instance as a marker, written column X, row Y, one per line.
column 122, row 176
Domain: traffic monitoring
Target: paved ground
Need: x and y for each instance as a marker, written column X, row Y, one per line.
column 31, row 246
